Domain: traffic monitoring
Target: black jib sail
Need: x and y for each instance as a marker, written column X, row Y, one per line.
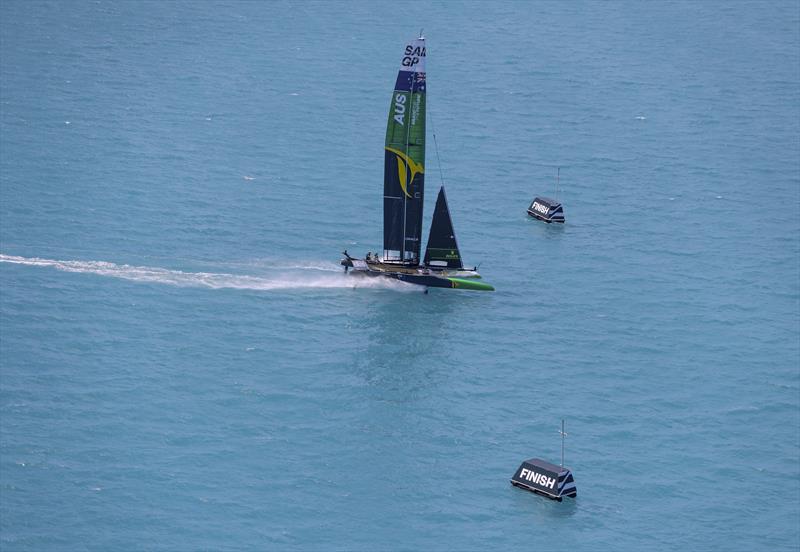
column 442, row 250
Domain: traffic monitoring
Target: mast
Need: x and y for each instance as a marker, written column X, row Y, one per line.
column 563, row 434
column 408, row 142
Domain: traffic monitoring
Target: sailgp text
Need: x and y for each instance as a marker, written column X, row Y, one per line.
column 413, row 55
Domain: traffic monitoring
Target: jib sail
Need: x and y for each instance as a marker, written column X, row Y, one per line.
column 404, row 165
column 442, row 250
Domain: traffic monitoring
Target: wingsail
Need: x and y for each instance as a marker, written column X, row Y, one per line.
column 404, row 160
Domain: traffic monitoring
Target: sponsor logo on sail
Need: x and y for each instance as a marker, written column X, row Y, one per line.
column 415, row 109
column 407, row 169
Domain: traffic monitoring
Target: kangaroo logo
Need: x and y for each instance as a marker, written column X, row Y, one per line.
column 407, row 169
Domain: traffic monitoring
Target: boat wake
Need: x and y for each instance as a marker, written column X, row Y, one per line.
column 294, row 276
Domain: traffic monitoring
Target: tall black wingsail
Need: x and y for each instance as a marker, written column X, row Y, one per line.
column 442, row 250
column 404, row 165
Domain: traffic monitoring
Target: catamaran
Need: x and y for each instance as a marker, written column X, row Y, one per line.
column 403, row 192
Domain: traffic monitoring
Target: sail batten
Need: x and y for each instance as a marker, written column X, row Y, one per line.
column 404, row 160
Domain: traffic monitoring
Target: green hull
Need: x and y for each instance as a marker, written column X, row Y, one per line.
column 472, row 284
column 412, row 275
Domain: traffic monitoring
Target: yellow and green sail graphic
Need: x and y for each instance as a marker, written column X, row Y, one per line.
column 404, row 154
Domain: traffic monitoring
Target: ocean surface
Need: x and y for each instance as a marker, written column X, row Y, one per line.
column 184, row 366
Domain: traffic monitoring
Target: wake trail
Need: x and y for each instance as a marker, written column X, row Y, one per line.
column 294, row 276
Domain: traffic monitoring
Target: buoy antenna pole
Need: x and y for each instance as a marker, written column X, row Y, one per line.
column 558, row 177
column 563, row 434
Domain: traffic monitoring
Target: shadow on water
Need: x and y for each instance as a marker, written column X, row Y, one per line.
column 543, row 509
column 560, row 510
column 546, row 230
column 407, row 350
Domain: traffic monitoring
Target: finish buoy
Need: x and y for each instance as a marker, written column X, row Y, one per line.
column 546, row 479
column 546, row 209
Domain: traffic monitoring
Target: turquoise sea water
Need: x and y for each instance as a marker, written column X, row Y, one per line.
column 184, row 367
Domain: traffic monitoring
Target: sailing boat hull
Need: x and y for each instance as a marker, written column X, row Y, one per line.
column 414, row 275
column 442, row 282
